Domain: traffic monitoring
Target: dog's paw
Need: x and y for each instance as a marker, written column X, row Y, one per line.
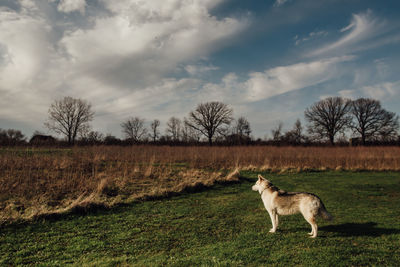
column 272, row 231
column 313, row 236
column 310, row 233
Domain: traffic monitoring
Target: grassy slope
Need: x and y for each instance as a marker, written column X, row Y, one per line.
column 226, row 225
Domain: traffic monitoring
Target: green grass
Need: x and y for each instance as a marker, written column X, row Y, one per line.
column 224, row 226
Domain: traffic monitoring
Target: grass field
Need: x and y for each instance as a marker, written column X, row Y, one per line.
column 224, row 226
column 39, row 181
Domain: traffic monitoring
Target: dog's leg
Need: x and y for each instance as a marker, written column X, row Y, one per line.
column 276, row 220
column 315, row 231
column 272, row 215
column 314, row 228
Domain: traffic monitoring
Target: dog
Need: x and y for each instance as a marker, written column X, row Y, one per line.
column 279, row 202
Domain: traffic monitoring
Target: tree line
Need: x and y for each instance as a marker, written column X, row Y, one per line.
column 329, row 120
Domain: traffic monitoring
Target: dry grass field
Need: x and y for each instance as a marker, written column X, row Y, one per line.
column 39, row 181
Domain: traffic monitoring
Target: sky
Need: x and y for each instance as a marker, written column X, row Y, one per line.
column 267, row 59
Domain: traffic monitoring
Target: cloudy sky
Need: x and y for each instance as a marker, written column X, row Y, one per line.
column 268, row 59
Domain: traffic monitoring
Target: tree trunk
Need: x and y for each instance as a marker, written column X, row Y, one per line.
column 363, row 139
column 210, row 141
column 332, row 139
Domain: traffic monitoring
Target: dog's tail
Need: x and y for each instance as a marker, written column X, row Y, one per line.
column 324, row 213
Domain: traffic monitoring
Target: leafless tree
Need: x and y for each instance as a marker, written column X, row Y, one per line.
column 210, row 118
column 298, row 131
column 242, row 127
column 277, row 132
column 174, row 128
column 372, row 121
column 390, row 125
column 69, row 117
column 154, row 135
column 328, row 117
column 134, row 129
column 188, row 134
column 11, row 137
column 93, row 137
column 296, row 134
column 239, row 133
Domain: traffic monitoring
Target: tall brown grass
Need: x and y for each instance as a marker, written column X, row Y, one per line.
column 41, row 181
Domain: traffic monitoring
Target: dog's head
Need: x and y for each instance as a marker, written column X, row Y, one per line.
column 261, row 184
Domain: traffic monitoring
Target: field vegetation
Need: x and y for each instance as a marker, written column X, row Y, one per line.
column 225, row 225
column 40, row 181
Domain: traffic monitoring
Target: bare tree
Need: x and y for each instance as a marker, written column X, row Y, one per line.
column 93, row 137
column 188, row 134
column 328, row 117
column 239, row 133
column 371, row 120
column 277, row 132
column 242, row 127
column 154, row 130
column 11, row 137
column 295, row 135
column 388, row 132
column 298, row 131
column 134, row 129
column 210, row 118
column 69, row 117
column 174, row 128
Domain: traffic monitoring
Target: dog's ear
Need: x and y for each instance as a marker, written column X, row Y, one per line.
column 260, row 177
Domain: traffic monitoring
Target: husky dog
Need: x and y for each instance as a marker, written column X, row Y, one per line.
column 279, row 202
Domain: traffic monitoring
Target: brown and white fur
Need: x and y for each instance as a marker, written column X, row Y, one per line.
column 279, row 202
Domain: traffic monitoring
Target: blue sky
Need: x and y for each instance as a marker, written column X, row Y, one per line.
column 268, row 60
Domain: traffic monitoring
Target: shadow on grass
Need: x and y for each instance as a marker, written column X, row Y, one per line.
column 359, row 229
column 93, row 208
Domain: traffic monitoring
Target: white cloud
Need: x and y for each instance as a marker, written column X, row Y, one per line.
column 195, row 70
column 120, row 60
column 280, row 2
column 274, row 81
column 382, row 91
column 27, row 52
column 144, row 41
column 382, row 68
column 68, row 6
column 230, row 89
column 27, row 5
column 24, row 42
column 181, row 95
column 283, row 79
column 379, row 91
column 311, row 36
column 363, row 27
column 350, row 94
